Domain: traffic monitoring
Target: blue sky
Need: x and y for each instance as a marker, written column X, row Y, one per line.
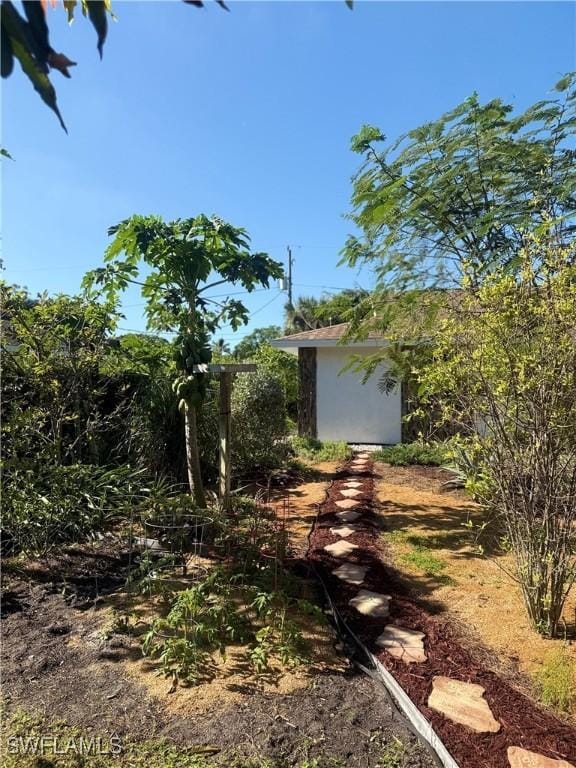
column 248, row 115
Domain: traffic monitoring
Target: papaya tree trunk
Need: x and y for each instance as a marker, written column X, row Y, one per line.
column 193, row 455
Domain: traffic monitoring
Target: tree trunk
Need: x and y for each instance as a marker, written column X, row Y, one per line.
column 193, row 456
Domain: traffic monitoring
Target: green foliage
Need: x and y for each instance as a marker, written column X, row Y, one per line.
column 315, row 450
column 283, row 367
column 451, row 200
column 250, row 344
column 258, row 421
column 393, row 755
column 50, row 505
column 250, row 599
column 26, row 39
column 423, row 559
column 182, row 256
column 503, row 369
column 404, row 454
column 556, row 680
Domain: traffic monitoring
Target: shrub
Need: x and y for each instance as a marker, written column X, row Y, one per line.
column 315, row 450
column 258, row 422
column 403, row 454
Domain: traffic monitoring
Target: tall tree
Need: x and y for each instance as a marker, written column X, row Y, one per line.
column 453, row 199
column 250, row 344
column 185, row 258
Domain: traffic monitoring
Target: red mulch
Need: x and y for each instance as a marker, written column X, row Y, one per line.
column 523, row 723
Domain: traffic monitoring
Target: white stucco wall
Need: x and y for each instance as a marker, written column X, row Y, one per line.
column 349, row 410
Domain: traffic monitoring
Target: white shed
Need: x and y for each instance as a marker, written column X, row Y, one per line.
column 336, row 405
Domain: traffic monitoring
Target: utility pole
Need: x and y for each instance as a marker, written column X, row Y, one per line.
column 290, row 260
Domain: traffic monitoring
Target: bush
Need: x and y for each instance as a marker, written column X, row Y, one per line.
column 403, row 454
column 315, row 450
column 258, row 422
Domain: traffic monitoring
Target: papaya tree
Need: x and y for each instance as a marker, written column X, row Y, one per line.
column 183, row 260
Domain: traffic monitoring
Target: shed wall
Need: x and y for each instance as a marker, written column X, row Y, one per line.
column 349, row 410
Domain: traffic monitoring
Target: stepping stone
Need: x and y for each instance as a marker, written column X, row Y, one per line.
column 340, row 548
column 462, row 703
column 362, row 456
column 347, row 503
column 351, row 492
column 353, row 484
column 522, row 758
column 352, row 574
column 348, row 515
column 402, row 643
column 371, row 603
column 343, row 530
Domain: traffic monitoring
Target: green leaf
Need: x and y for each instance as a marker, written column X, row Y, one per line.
column 97, row 15
column 30, row 67
column 5, row 153
column 69, row 6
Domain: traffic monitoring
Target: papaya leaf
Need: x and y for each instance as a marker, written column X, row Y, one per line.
column 7, row 58
column 97, row 15
column 69, row 6
column 39, row 79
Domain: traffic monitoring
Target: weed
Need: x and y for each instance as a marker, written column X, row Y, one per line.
column 392, row 755
column 556, row 681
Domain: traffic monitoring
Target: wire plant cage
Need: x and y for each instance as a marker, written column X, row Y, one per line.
column 167, row 557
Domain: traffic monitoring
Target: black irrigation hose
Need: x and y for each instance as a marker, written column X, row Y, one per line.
column 351, row 641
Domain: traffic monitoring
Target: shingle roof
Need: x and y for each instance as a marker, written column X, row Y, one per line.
column 329, row 333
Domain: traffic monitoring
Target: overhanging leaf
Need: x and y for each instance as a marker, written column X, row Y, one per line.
column 39, row 79
column 97, row 15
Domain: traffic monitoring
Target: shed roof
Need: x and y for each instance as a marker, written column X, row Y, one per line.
column 329, row 336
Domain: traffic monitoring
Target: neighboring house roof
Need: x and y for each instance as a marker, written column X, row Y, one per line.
column 329, row 336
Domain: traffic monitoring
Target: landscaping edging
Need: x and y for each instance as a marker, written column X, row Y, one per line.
column 522, row 723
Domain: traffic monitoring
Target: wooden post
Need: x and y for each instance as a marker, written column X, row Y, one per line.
column 307, row 418
column 225, row 438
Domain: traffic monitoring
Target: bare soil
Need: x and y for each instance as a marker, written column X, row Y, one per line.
column 65, row 657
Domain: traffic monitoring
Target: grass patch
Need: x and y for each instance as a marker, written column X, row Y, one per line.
column 315, row 450
column 392, row 755
column 424, row 560
column 404, row 454
column 556, row 681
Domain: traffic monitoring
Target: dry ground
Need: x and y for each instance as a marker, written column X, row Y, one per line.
column 449, row 574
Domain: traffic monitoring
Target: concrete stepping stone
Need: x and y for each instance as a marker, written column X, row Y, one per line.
column 353, row 483
column 371, row 603
column 364, row 456
column 523, row 758
column 340, row 548
column 347, row 503
column 351, row 573
column 351, row 492
column 402, row 643
column 343, row 530
column 462, row 703
column 348, row 515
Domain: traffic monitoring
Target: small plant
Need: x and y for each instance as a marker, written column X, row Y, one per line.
column 422, row 558
column 556, row 681
column 393, row 755
column 404, row 454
